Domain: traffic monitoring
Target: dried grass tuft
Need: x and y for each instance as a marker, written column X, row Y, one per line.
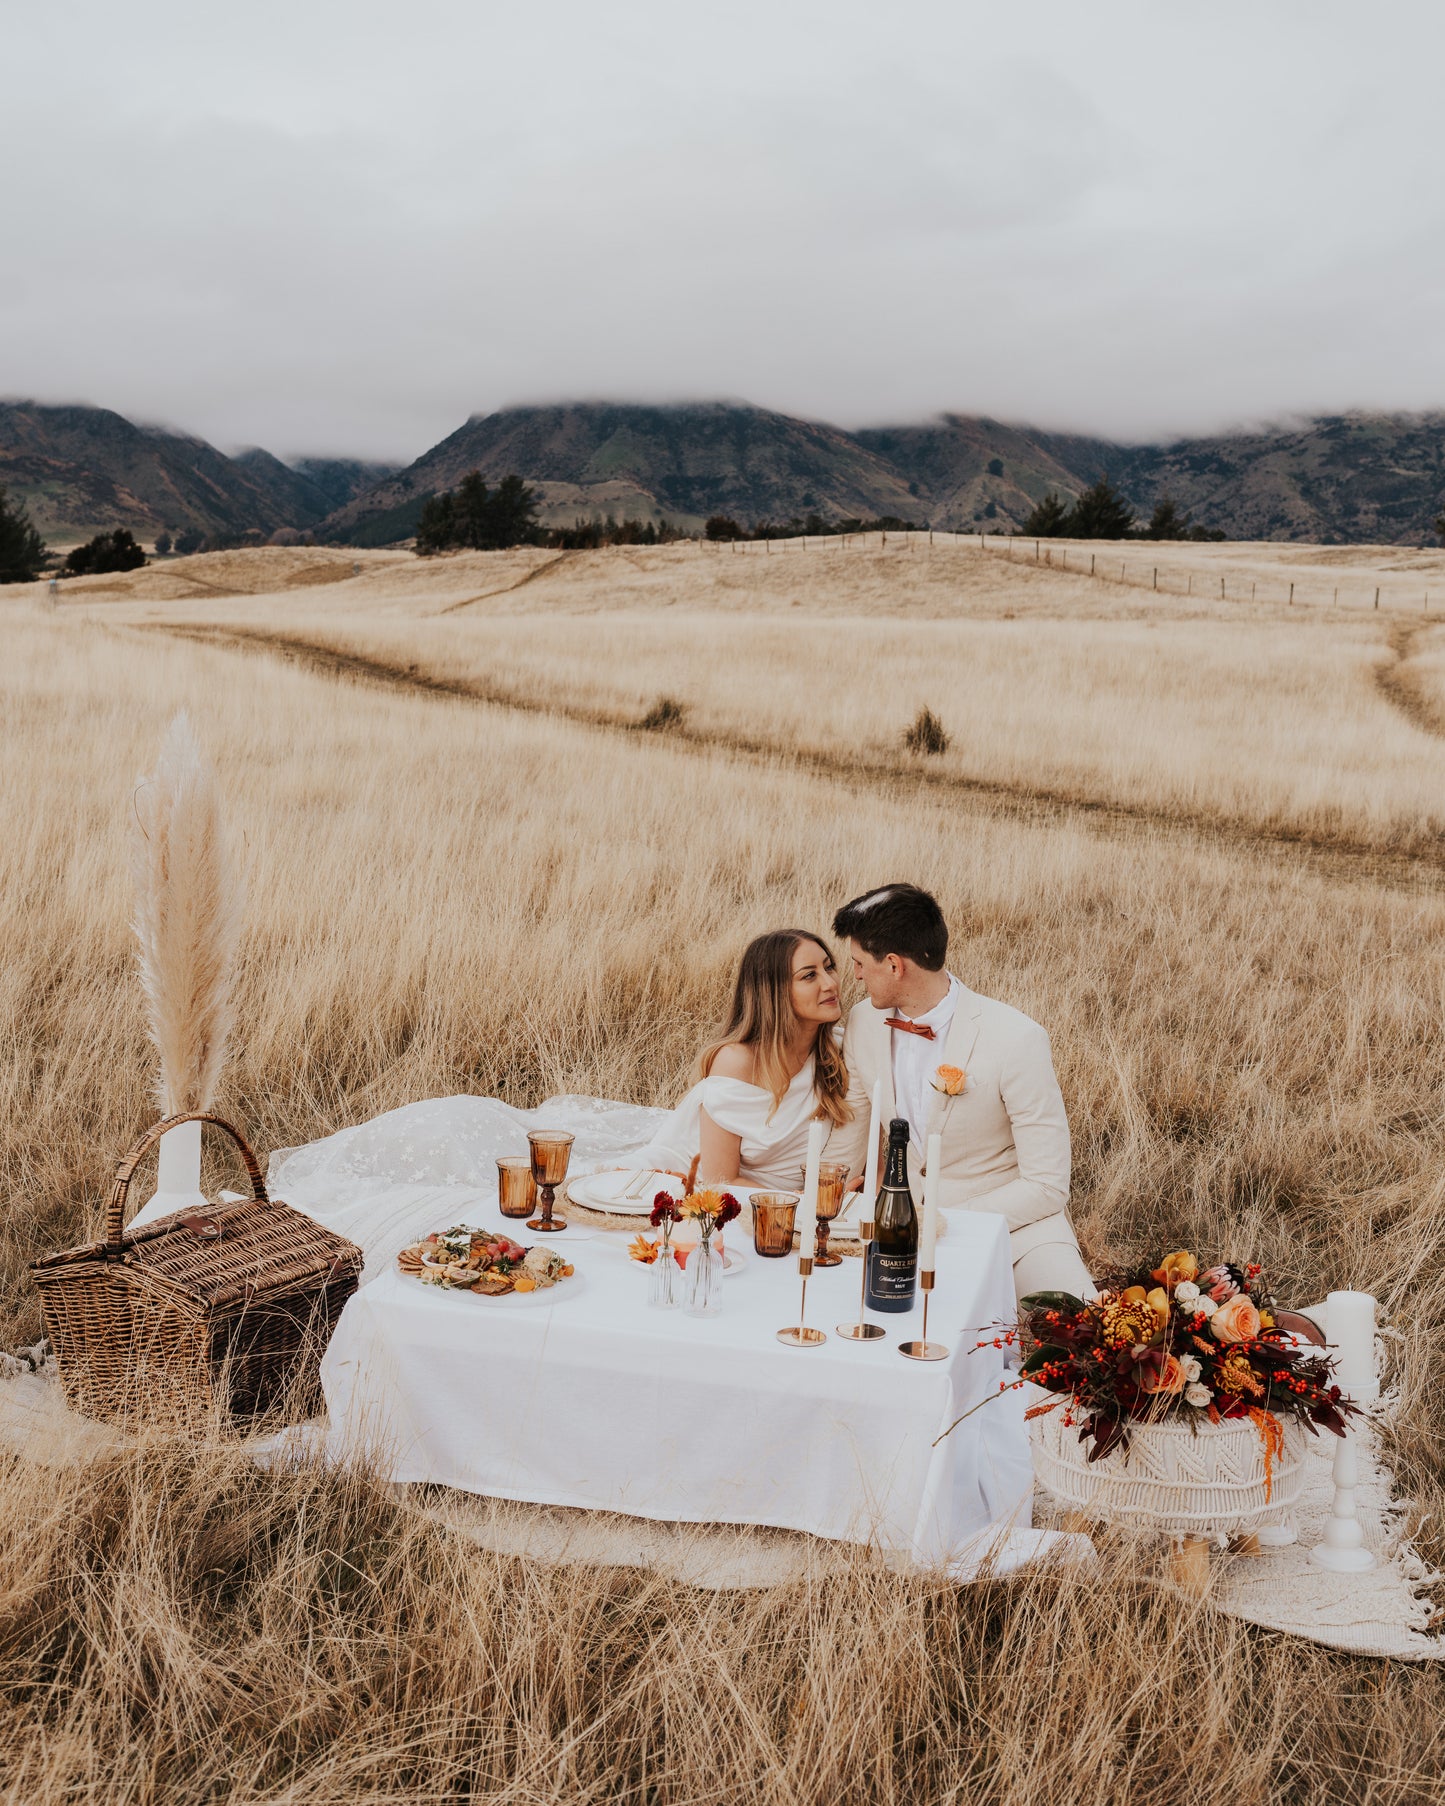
column 187, row 920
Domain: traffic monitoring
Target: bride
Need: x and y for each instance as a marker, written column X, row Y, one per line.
column 777, row 1065
column 776, row 1068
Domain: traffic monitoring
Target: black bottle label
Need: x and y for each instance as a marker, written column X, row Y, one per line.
column 892, row 1278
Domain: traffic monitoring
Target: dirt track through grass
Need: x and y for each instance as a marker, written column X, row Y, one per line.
column 1399, row 685
column 1344, row 859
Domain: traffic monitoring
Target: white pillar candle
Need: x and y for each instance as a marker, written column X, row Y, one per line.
column 870, row 1171
column 1350, row 1335
column 807, row 1218
column 929, row 1239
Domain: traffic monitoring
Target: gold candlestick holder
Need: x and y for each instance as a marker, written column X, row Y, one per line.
column 800, row 1336
column 923, row 1349
column 862, row 1331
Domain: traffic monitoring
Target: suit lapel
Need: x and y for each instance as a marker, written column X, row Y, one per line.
column 883, row 1057
column 957, row 1050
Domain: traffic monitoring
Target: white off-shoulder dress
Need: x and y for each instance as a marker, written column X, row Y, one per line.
column 774, row 1136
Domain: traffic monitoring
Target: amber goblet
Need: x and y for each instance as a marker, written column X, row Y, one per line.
column 832, row 1177
column 773, row 1214
column 551, row 1150
column 516, row 1188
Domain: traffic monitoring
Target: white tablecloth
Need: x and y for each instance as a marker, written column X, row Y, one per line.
column 596, row 1401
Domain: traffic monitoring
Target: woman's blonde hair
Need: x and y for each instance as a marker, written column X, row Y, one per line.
column 762, row 1018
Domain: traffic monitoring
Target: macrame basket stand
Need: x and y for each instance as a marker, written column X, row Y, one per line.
column 1196, row 1486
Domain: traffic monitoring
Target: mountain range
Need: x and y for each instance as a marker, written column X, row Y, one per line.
column 1361, row 476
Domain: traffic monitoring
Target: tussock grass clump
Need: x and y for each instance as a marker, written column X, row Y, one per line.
column 927, row 734
column 666, row 715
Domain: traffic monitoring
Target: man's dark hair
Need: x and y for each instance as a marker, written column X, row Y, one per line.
column 896, row 918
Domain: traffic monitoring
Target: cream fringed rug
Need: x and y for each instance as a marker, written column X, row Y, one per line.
column 1382, row 1613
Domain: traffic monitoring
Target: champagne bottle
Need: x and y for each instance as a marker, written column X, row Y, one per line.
column 892, row 1255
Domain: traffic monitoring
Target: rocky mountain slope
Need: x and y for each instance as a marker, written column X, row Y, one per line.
column 84, row 470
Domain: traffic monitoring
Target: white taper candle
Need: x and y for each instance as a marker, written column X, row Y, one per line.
column 1350, row 1334
column 929, row 1239
column 870, row 1171
column 807, row 1218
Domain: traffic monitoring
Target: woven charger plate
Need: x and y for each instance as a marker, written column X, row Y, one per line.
column 600, row 1219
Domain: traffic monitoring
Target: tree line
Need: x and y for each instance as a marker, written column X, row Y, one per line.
column 1102, row 513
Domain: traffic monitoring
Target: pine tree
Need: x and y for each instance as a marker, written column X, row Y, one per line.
column 1048, row 519
column 22, row 550
column 1100, row 513
column 436, row 525
column 1166, row 522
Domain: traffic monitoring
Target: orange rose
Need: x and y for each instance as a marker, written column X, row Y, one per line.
column 642, row 1249
column 1174, row 1267
column 1169, row 1379
column 1236, row 1320
column 950, row 1080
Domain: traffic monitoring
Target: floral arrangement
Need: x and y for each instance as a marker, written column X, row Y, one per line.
column 1172, row 1341
column 710, row 1210
column 663, row 1215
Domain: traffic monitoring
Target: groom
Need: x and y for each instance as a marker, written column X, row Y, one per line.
column 1005, row 1137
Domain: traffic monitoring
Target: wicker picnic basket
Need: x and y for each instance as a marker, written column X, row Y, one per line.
column 221, row 1314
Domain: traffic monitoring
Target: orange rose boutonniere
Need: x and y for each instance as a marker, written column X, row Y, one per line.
column 950, row 1080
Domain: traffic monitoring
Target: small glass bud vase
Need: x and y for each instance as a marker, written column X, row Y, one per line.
column 704, row 1280
column 664, row 1281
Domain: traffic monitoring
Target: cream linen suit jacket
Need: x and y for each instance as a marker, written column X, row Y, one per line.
column 1005, row 1139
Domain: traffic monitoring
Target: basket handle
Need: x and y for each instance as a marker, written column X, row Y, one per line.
column 115, row 1210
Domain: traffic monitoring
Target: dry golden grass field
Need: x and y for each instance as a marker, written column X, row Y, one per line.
column 1203, row 840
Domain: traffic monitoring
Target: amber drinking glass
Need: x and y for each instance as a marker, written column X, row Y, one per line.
column 516, row 1188
column 773, row 1214
column 551, row 1150
column 832, row 1177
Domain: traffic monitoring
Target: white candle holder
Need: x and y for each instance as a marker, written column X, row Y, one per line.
column 1342, row 1550
column 1350, row 1336
column 923, row 1349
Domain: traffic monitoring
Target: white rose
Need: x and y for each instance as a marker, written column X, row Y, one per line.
column 1197, row 1395
column 1186, row 1291
column 1192, row 1367
column 1205, row 1304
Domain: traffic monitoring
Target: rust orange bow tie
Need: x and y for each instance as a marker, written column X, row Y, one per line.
column 912, row 1028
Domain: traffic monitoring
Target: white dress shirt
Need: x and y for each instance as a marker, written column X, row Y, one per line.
column 916, row 1059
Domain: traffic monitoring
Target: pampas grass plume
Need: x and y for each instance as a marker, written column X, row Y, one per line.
column 188, row 906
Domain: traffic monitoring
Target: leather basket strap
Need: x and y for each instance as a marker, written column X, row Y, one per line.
column 115, row 1211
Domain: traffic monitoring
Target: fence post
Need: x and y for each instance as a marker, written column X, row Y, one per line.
column 1092, row 557
column 1251, row 592
column 1291, row 595
column 1337, row 596
column 1156, row 576
column 1377, row 595
column 1190, row 590
column 1221, row 589
column 1121, row 573
column 1036, row 551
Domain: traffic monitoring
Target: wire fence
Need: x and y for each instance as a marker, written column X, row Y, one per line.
column 1139, row 567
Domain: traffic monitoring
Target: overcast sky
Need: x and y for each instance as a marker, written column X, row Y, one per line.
column 344, row 225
